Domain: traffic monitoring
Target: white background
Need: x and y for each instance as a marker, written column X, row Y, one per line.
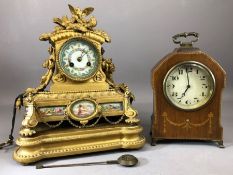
column 141, row 34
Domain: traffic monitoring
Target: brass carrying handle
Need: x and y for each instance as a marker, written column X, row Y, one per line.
column 176, row 37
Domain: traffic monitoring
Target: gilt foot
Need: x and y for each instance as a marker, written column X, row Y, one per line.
column 26, row 132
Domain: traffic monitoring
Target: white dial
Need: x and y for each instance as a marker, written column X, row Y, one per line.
column 79, row 59
column 189, row 85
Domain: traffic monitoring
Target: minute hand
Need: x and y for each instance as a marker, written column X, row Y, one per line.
column 188, row 86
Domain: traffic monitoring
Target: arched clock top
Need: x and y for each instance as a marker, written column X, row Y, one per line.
column 179, row 55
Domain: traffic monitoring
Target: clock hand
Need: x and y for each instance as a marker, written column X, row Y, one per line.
column 183, row 94
column 187, row 77
column 188, row 86
column 89, row 61
column 79, row 59
column 84, row 52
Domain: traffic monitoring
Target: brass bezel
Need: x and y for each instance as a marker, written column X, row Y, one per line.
column 197, row 106
column 90, row 42
column 75, row 117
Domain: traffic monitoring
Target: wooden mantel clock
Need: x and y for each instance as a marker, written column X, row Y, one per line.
column 187, row 86
column 84, row 110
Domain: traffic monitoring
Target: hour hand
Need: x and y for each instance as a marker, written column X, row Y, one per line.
column 183, row 94
column 188, row 86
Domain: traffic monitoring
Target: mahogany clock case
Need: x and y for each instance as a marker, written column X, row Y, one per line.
column 169, row 122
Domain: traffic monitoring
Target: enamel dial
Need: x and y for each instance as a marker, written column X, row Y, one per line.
column 79, row 59
column 189, row 85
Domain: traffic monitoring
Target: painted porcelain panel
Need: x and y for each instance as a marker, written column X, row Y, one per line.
column 55, row 110
column 83, row 108
column 117, row 106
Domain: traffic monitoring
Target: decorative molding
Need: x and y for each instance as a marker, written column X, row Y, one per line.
column 35, row 148
column 81, row 148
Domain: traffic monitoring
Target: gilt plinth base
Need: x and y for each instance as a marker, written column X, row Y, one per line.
column 64, row 142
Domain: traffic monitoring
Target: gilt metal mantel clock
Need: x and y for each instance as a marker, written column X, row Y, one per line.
column 84, row 110
column 187, row 86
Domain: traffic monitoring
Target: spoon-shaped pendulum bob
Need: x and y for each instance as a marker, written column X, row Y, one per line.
column 126, row 160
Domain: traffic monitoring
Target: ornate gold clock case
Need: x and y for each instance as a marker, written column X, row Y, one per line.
column 84, row 110
column 187, row 86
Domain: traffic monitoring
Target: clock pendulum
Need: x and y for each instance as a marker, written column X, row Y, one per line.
column 84, row 110
column 187, row 86
column 126, row 160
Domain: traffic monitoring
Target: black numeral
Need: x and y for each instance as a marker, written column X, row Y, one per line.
column 180, row 71
column 173, row 86
column 189, row 69
column 174, row 94
column 174, row 78
column 196, row 99
column 204, row 86
column 202, row 77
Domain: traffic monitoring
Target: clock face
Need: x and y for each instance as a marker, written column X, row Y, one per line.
column 189, row 85
column 79, row 59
